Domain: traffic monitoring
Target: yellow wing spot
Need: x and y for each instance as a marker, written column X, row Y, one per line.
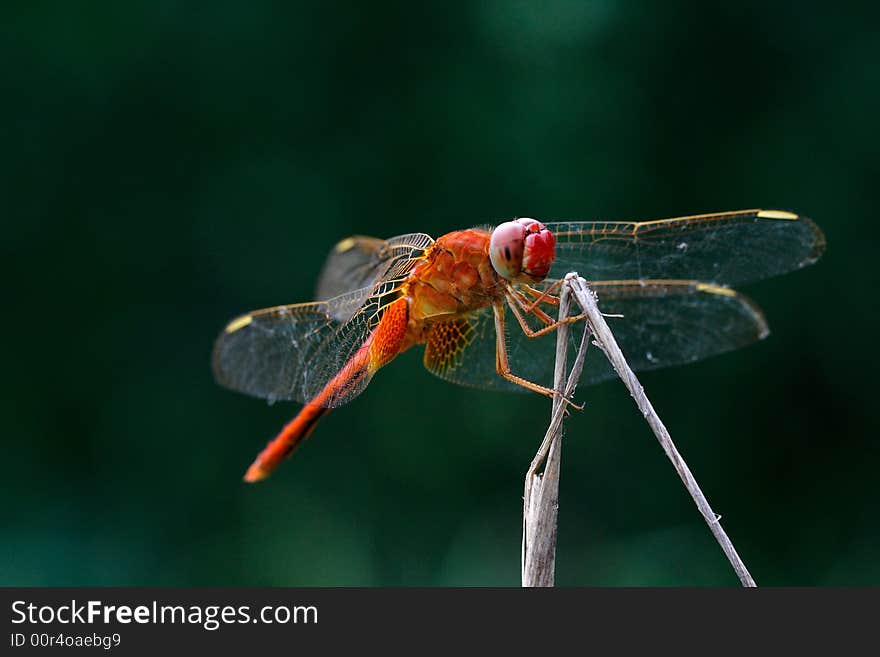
column 777, row 214
column 345, row 245
column 239, row 323
column 715, row 289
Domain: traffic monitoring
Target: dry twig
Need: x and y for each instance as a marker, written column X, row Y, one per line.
column 541, row 495
column 542, row 492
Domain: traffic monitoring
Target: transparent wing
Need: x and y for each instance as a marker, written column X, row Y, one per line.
column 725, row 248
column 292, row 352
column 664, row 323
column 462, row 350
column 360, row 262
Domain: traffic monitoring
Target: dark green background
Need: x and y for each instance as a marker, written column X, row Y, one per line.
column 169, row 165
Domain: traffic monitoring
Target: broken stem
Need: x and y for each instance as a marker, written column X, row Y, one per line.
column 541, row 494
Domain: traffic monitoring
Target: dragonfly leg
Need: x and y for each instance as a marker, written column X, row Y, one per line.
column 518, row 298
column 502, row 364
column 551, row 325
column 546, row 296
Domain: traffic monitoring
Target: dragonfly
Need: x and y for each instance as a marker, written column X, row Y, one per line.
column 483, row 301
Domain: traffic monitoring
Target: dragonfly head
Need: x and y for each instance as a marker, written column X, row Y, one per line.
column 522, row 250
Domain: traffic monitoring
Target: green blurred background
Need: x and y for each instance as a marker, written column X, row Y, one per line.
column 169, row 165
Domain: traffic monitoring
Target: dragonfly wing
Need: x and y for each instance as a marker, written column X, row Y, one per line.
column 462, row 351
column 350, row 265
column 667, row 323
column 664, row 323
column 725, row 248
column 292, row 352
column 360, row 262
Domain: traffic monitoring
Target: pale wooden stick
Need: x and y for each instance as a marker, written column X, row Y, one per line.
column 605, row 341
column 541, row 494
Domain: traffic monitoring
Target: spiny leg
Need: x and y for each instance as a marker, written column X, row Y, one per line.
column 502, row 364
column 551, row 325
column 517, row 298
column 533, row 308
column 546, row 296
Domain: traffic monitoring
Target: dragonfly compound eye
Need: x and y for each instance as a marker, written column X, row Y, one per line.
column 539, row 251
column 522, row 249
column 506, row 248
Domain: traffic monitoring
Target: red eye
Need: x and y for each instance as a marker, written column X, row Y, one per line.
column 506, row 249
column 539, row 251
column 522, row 249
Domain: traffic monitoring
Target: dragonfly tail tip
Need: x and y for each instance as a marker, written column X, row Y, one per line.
column 255, row 473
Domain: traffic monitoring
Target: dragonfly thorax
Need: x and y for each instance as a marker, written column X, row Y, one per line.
column 522, row 250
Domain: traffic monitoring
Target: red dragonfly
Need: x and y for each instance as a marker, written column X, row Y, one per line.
column 667, row 278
